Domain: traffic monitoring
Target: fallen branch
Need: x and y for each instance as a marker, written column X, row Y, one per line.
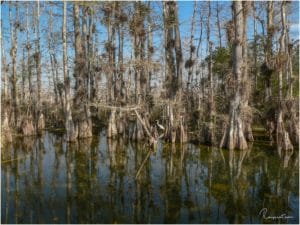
column 127, row 108
column 15, row 159
column 152, row 139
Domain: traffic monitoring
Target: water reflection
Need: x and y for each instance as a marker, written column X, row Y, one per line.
column 99, row 180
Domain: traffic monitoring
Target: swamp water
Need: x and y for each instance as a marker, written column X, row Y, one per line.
column 46, row 180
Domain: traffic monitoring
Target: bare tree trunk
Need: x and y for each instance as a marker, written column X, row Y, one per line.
column 82, row 117
column 39, row 113
column 289, row 50
column 28, row 47
column 71, row 130
column 219, row 25
column 178, row 50
column 191, row 61
column 255, row 45
column 282, row 136
column 23, row 76
column 110, row 47
column 112, row 125
column 140, row 75
column 234, row 135
column 247, row 117
column 4, row 68
column 269, row 45
column 51, row 55
column 150, row 49
column 174, row 66
column 291, row 102
column 27, row 125
column 6, row 132
column 13, row 52
column 171, row 82
column 91, row 64
column 211, row 82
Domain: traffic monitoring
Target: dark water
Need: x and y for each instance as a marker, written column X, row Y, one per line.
column 94, row 182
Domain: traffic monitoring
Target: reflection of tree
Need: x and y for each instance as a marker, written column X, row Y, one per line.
column 56, row 147
column 196, row 185
column 82, row 179
column 16, row 176
column 69, row 157
column 143, row 195
column 237, row 201
column 275, row 183
column 189, row 179
column 117, row 164
column 5, row 158
column 173, row 172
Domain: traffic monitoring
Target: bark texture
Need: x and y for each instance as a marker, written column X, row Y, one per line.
column 71, row 130
column 81, row 113
column 282, row 136
column 234, row 137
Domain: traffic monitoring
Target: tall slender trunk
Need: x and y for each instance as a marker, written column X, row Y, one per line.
column 140, row 75
column 51, row 55
column 199, row 71
column 171, row 79
column 150, row 49
column 110, row 47
column 245, row 73
column 178, row 49
column 82, row 117
column 14, row 38
column 211, row 81
column 269, row 46
column 191, row 61
column 28, row 47
column 289, row 50
column 38, row 56
column 71, row 131
column 255, row 45
column 6, row 134
column 91, row 57
column 174, row 64
column 40, row 123
column 219, row 25
column 4, row 68
column 23, row 75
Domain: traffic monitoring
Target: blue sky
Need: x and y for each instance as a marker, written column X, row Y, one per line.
column 185, row 14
